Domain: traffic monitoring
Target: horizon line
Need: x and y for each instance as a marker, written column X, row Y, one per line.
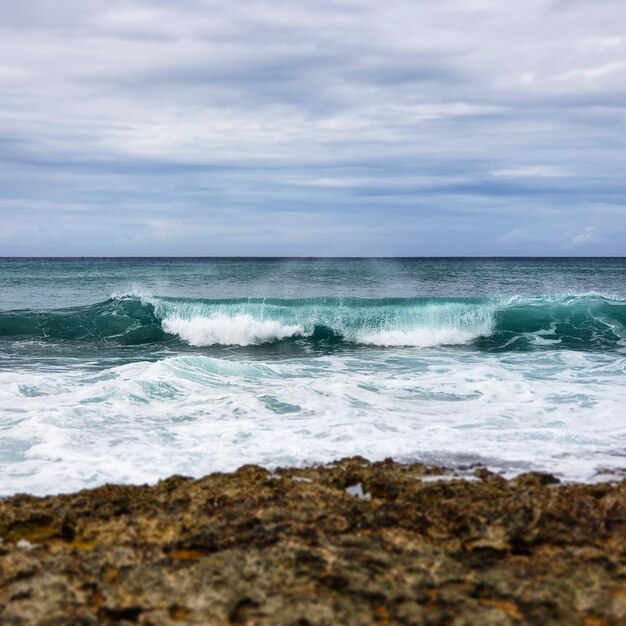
column 299, row 257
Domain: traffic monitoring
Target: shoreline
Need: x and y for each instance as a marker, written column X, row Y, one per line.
column 351, row 542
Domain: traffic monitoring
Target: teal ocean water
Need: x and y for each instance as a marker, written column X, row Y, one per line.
column 129, row 370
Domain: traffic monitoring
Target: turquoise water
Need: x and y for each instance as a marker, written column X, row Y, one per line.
column 129, row 370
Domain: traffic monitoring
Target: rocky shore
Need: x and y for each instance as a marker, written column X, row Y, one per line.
column 349, row 543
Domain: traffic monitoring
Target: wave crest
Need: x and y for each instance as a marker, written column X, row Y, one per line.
column 578, row 322
column 419, row 337
column 240, row 330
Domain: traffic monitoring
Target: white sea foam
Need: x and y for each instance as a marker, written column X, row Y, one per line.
column 560, row 412
column 239, row 330
column 420, row 337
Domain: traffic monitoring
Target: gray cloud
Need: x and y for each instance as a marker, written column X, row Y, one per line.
column 350, row 127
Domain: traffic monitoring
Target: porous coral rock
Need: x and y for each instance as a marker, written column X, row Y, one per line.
column 293, row 547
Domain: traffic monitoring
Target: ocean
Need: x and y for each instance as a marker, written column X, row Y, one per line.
column 130, row 370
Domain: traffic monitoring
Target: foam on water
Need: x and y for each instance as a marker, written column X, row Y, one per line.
column 195, row 414
column 417, row 337
column 239, row 330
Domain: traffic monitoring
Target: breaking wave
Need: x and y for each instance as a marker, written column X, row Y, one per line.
column 574, row 322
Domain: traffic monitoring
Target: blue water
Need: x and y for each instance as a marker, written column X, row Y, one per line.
column 129, row 370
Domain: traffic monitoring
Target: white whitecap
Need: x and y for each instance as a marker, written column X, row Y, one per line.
column 420, row 337
column 560, row 411
column 239, row 330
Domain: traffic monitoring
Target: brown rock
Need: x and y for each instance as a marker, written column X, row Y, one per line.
column 350, row 543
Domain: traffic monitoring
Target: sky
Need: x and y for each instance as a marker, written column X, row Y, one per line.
column 312, row 128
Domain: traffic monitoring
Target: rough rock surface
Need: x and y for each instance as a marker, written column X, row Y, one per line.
column 350, row 543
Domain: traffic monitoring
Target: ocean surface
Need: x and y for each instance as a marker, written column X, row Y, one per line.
column 130, row 370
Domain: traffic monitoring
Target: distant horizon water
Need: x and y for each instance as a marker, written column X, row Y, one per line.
column 129, row 369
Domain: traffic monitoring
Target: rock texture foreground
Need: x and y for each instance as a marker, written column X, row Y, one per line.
column 351, row 543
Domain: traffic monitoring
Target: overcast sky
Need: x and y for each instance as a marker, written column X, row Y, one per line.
column 404, row 127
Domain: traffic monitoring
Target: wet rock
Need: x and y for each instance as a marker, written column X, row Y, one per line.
column 306, row 547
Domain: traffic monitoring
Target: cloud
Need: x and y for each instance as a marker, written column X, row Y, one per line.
column 594, row 72
column 532, row 171
column 515, row 236
column 588, row 235
column 453, row 117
